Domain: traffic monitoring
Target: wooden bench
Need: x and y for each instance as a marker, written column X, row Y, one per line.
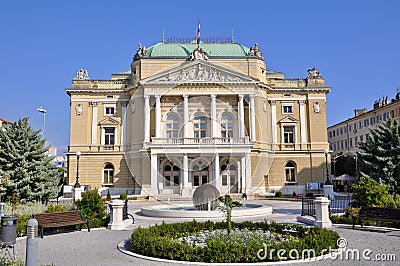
column 60, row 219
column 377, row 214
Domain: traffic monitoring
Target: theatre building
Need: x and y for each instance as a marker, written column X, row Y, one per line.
column 185, row 114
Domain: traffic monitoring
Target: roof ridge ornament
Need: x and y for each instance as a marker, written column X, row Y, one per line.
column 198, row 54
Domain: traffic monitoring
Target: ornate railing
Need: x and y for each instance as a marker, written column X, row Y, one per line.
column 180, row 141
column 202, row 40
column 307, row 206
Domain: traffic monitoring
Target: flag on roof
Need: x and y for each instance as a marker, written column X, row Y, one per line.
column 198, row 33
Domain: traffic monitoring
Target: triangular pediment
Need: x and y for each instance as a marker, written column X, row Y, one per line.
column 108, row 122
column 288, row 119
column 199, row 71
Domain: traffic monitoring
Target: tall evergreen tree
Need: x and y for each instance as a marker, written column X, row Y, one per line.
column 380, row 155
column 25, row 168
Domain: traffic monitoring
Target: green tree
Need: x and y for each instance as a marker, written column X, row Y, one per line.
column 368, row 192
column 227, row 207
column 26, row 171
column 380, row 155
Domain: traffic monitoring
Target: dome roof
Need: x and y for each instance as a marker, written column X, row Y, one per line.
column 184, row 49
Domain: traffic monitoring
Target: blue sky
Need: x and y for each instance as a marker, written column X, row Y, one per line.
column 354, row 44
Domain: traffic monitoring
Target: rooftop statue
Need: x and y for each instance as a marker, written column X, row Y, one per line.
column 314, row 73
column 198, row 54
column 255, row 51
column 82, row 74
column 141, row 52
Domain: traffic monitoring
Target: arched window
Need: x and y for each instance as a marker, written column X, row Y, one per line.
column 290, row 172
column 172, row 126
column 226, row 126
column 199, row 126
column 229, row 177
column 108, row 174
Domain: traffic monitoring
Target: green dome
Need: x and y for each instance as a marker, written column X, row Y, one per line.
column 184, row 49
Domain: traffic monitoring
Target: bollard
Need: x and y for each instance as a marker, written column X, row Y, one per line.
column 2, row 204
column 31, row 242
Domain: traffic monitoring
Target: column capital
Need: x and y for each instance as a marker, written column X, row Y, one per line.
column 302, row 102
column 213, row 96
column 251, row 96
column 158, row 97
column 146, row 97
column 124, row 104
column 94, row 103
column 273, row 102
column 241, row 96
column 185, row 96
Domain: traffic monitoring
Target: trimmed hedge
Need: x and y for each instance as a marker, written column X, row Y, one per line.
column 161, row 241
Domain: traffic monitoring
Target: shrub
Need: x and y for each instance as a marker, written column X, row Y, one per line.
column 108, row 197
column 278, row 194
column 92, row 207
column 123, row 196
column 163, row 241
column 294, row 194
column 309, row 195
column 55, row 208
column 368, row 192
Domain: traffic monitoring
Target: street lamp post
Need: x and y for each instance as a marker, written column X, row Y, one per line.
column 43, row 111
column 77, row 185
column 327, row 182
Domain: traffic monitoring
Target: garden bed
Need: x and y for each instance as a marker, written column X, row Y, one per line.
column 247, row 243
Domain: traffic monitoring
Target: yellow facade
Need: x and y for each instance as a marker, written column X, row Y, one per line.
column 176, row 121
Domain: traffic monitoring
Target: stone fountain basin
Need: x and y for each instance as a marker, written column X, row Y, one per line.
column 188, row 211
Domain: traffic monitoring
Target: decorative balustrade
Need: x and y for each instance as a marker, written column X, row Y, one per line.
column 181, row 141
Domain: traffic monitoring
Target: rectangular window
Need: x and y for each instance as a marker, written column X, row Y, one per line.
column 333, row 133
column 341, row 131
column 366, row 136
column 361, row 138
column 288, row 134
column 356, row 141
column 290, row 177
column 345, row 143
column 196, row 181
column 224, row 180
column 109, row 110
column 355, row 126
column 334, row 146
column 287, row 109
column 109, row 136
column 176, row 180
column 345, row 129
column 351, row 142
column 341, row 145
column 167, row 181
column 330, row 134
column 366, row 122
column 392, row 113
column 349, row 127
column 204, row 179
column 360, row 124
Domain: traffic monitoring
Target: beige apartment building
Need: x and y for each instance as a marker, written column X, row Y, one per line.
column 345, row 136
column 184, row 115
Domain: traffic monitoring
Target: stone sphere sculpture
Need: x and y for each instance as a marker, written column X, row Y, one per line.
column 204, row 195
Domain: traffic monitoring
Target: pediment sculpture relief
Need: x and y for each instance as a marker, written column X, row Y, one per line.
column 199, row 73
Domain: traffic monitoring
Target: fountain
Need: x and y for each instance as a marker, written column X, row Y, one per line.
column 205, row 203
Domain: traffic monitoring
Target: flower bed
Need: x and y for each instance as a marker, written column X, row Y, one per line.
column 210, row 242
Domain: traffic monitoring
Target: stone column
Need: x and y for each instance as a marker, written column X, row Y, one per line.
column 241, row 117
column 116, row 215
column 273, row 121
column 154, row 174
column 252, row 119
column 185, row 189
column 322, row 212
column 243, row 174
column 302, row 121
column 158, row 117
column 146, row 118
column 218, row 179
column 213, row 116
column 94, row 123
column 123, row 122
column 185, row 116
column 248, row 172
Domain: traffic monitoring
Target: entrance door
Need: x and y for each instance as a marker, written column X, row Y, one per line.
column 199, row 177
column 172, row 178
column 229, row 178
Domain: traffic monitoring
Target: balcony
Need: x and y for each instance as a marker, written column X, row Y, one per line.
column 200, row 141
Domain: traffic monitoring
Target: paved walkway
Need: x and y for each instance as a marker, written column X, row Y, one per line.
column 99, row 247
